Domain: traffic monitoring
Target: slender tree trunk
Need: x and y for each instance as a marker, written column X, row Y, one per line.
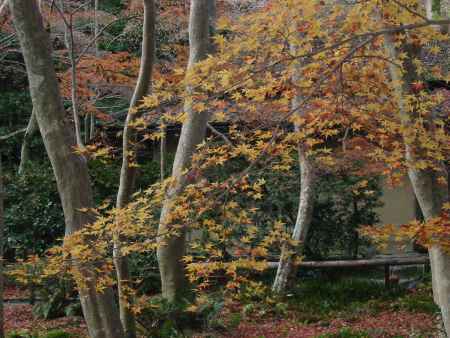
column 162, row 155
column 444, row 11
column 70, row 169
column 304, row 215
column 86, row 128
column 92, row 127
column 96, row 27
column 306, row 202
column 32, row 128
column 66, row 31
column 429, row 8
column 430, row 195
column 74, row 84
column 3, row 6
column 172, row 248
column 128, row 172
column 2, row 244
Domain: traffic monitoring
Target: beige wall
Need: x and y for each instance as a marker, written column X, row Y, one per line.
column 399, row 208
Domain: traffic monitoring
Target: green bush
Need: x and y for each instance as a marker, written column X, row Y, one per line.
column 112, row 6
column 105, row 177
column 33, row 213
column 338, row 211
column 163, row 319
column 15, row 109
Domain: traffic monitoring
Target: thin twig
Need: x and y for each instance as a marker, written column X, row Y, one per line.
column 410, row 10
column 14, row 133
column 100, row 33
column 221, row 135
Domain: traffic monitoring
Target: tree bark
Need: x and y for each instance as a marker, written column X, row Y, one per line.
column 428, row 9
column 128, row 172
column 172, row 247
column 96, row 27
column 430, row 195
column 74, row 84
column 162, row 151
column 3, row 6
column 306, row 199
column 32, row 128
column 70, row 169
column 303, row 222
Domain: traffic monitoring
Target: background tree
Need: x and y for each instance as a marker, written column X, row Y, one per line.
column 70, row 169
column 172, row 248
column 307, row 191
column 430, row 194
column 129, row 169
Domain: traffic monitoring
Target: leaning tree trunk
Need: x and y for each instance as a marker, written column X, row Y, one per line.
column 128, row 171
column 302, row 224
column 3, row 6
column 445, row 13
column 32, row 128
column 70, row 169
column 172, row 247
column 429, row 193
column 305, row 207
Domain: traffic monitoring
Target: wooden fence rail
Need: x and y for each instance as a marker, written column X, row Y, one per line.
column 358, row 263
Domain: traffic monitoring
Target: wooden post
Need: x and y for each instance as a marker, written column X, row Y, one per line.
column 387, row 276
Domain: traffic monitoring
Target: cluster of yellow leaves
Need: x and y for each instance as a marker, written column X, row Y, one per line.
column 435, row 231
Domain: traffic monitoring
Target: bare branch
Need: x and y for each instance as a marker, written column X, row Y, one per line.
column 14, row 133
column 99, row 34
column 221, row 135
column 408, row 9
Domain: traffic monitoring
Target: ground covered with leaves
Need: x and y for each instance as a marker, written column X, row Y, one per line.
column 315, row 308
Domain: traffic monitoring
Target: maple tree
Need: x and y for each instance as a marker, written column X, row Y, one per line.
column 340, row 73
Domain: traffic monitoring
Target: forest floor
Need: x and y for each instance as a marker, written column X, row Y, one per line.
column 19, row 316
column 385, row 324
column 326, row 310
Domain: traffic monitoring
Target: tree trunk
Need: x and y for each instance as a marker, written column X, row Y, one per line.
column 92, row 127
column 302, row 224
column 128, row 172
column 444, row 11
column 162, row 153
column 86, row 128
column 172, row 248
column 96, row 27
column 429, row 9
column 430, row 195
column 306, row 200
column 74, row 85
column 3, row 6
column 32, row 128
column 70, row 169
